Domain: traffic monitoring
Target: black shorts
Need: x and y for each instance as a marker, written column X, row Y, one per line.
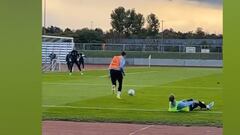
column 116, row 74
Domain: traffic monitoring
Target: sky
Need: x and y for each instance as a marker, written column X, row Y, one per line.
column 180, row 15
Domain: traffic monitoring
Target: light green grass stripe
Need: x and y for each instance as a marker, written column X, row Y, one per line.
column 133, row 73
column 190, row 87
column 132, row 85
column 121, row 109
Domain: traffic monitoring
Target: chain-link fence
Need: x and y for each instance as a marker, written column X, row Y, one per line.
column 155, row 50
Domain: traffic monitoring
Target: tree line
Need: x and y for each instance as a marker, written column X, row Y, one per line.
column 128, row 24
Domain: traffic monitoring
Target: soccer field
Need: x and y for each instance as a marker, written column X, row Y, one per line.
column 89, row 97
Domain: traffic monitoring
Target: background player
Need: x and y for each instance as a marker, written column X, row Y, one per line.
column 81, row 60
column 74, row 60
column 53, row 59
column 69, row 61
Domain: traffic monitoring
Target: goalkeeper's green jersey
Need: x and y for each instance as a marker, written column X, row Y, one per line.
column 175, row 108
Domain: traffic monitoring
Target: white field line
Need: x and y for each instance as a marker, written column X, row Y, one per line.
column 132, row 85
column 134, row 73
column 141, row 129
column 89, row 84
column 189, row 87
column 120, row 109
column 101, row 69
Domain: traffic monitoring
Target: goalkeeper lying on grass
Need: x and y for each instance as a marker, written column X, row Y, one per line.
column 187, row 105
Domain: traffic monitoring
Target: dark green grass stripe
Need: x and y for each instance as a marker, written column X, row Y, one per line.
column 132, row 85
column 122, row 109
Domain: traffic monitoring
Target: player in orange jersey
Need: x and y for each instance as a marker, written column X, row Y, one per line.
column 116, row 70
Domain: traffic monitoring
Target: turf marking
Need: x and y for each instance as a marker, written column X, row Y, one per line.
column 121, row 109
column 133, row 73
column 190, row 87
column 132, row 85
column 92, row 84
column 141, row 129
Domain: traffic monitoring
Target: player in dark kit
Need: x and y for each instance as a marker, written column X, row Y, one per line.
column 81, row 60
column 74, row 60
column 69, row 61
column 53, row 59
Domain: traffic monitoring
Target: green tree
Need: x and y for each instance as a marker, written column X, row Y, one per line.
column 68, row 32
column 118, row 18
column 53, row 30
column 153, row 24
column 126, row 23
column 111, row 34
column 133, row 23
column 128, row 20
column 168, row 34
column 86, row 35
column 200, row 33
column 137, row 24
column 99, row 31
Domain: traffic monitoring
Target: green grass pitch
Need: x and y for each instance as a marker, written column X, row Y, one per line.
column 89, row 97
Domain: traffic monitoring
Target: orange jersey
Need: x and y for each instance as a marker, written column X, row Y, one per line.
column 115, row 63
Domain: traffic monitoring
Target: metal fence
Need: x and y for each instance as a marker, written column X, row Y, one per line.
column 57, row 45
column 144, row 47
column 60, row 49
column 168, row 41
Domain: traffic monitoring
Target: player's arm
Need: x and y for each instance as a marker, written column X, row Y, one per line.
column 188, row 100
column 109, row 74
column 122, row 65
column 67, row 58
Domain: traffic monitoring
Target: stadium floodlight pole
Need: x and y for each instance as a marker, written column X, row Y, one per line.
column 91, row 25
column 162, row 32
column 162, row 29
column 44, row 25
column 149, row 60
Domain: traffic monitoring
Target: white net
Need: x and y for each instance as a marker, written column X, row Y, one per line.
column 54, row 51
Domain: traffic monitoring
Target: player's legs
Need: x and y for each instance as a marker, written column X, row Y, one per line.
column 193, row 106
column 113, row 79
column 81, row 63
column 78, row 65
column 69, row 66
column 196, row 104
column 120, row 80
column 51, row 65
column 202, row 104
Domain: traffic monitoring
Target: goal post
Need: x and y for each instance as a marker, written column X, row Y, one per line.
column 149, row 60
column 57, row 45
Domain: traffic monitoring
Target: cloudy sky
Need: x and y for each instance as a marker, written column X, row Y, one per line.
column 181, row 15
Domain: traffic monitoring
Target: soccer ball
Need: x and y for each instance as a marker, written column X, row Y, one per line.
column 131, row 92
